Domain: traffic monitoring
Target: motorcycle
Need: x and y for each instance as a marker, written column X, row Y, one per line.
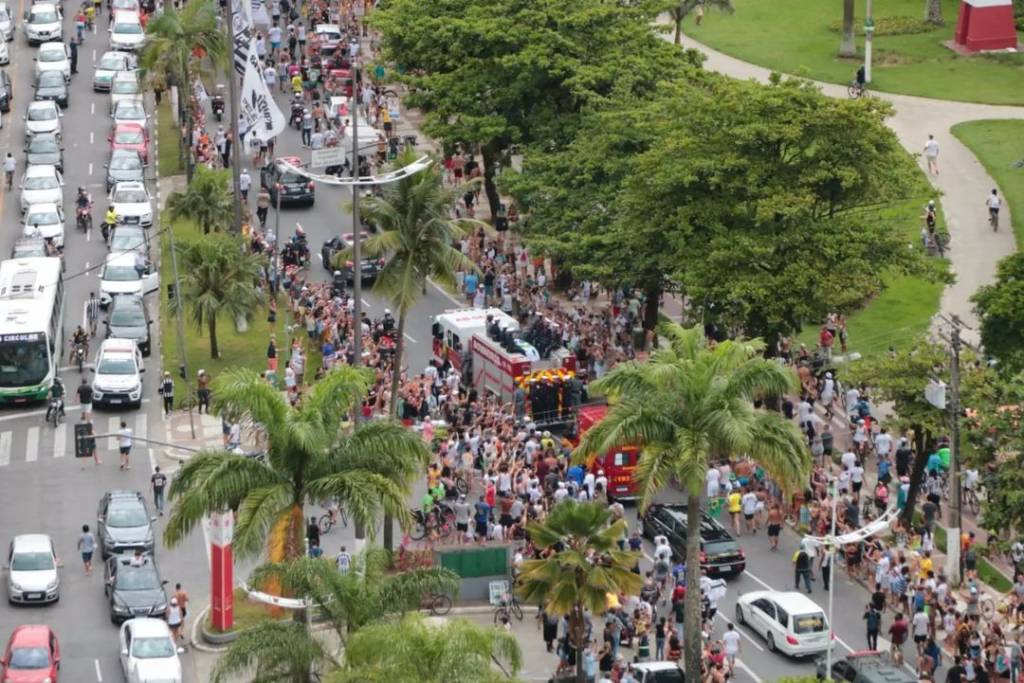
column 55, row 410
column 83, row 218
column 79, row 356
column 217, row 104
column 298, row 110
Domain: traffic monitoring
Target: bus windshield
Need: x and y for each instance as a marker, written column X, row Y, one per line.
column 24, row 361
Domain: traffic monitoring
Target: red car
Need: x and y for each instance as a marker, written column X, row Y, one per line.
column 32, row 656
column 130, row 136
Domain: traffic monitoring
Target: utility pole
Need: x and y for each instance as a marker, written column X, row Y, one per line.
column 180, row 320
column 357, row 271
column 869, row 32
column 236, row 159
column 953, row 563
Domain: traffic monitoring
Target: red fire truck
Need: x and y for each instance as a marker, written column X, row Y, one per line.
column 618, row 464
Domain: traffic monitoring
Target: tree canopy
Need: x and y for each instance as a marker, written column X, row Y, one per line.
column 1000, row 306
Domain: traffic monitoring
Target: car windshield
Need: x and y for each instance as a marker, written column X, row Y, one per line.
column 126, row 4
column 126, row 517
column 42, row 114
column 24, row 360
column 129, row 111
column 41, row 182
column 123, row 240
column 111, row 63
column 137, row 578
column 31, row 562
column 127, row 315
column 129, row 197
column 808, row 623
column 47, row 217
column 44, row 17
column 42, row 145
column 290, row 177
column 50, row 79
column 52, row 55
column 27, row 249
column 121, row 274
column 29, row 658
column 125, row 87
column 125, row 162
column 128, row 27
column 128, row 137
column 152, row 648
column 116, row 366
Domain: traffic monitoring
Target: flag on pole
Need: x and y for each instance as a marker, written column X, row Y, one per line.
column 263, row 119
column 241, row 18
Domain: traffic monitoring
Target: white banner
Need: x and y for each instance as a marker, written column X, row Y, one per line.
column 263, row 119
column 241, row 17
column 259, row 13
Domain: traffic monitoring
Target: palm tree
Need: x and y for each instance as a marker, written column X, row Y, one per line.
column 847, row 46
column 348, row 601
column 415, row 233
column 679, row 11
column 571, row 582
column 207, row 200
column 413, row 649
column 687, row 406
column 311, row 456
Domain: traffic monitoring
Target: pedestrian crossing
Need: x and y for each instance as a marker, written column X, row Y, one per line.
column 41, row 442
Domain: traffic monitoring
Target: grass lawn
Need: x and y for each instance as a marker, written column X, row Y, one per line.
column 167, row 142
column 248, row 613
column 245, row 349
column 802, row 37
column 993, row 143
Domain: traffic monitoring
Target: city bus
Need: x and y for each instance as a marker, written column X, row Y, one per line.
column 31, row 327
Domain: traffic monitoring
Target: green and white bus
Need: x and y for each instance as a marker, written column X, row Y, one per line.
column 31, row 327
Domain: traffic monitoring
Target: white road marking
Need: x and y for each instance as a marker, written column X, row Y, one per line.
column 410, row 339
column 743, row 667
column 5, row 449
column 448, row 294
column 94, row 54
column 59, row 437
column 366, row 303
column 92, row 139
column 765, row 585
column 99, row 674
column 32, row 444
column 113, row 424
column 90, row 168
column 92, row 110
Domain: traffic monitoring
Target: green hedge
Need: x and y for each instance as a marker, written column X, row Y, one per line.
column 889, row 26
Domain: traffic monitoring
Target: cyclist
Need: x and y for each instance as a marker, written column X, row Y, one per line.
column 860, row 79
column 9, row 165
column 332, row 509
column 56, row 394
column 92, row 312
column 993, row 202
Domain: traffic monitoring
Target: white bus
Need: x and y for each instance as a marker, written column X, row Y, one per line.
column 31, row 327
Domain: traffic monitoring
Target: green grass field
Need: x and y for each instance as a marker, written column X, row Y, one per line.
column 998, row 145
column 802, row 37
column 169, row 160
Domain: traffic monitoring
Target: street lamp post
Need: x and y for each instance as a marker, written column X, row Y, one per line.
column 235, row 142
column 357, row 284
column 832, row 490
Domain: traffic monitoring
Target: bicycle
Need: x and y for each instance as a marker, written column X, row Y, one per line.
column 508, row 607
column 989, row 607
column 856, row 90
column 328, row 521
column 438, row 604
column 433, row 524
column 969, row 499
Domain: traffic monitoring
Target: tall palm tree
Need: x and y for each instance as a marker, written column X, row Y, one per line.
column 687, row 406
column 348, row 601
column 207, row 200
column 682, row 8
column 218, row 280
column 571, row 581
column 847, row 46
column 311, row 456
column 415, row 233
column 412, row 649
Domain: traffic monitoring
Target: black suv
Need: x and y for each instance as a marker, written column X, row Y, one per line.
column 369, row 268
column 134, row 588
column 720, row 554
column 869, row 666
column 123, row 523
column 45, row 149
column 6, row 92
column 296, row 188
column 128, row 319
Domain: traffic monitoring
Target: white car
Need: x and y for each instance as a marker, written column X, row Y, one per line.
column 132, row 203
column 111, row 64
column 5, row 56
column 43, row 22
column 32, row 570
column 118, row 373
column 53, row 57
column 130, row 111
column 41, row 185
column 45, row 221
column 126, row 32
column 124, row 86
column 42, row 117
column 6, row 22
column 148, row 652
column 120, row 276
column 790, row 622
column 330, row 36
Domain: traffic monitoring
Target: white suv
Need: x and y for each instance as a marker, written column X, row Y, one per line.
column 118, row 374
column 32, row 570
column 132, row 203
column 126, row 32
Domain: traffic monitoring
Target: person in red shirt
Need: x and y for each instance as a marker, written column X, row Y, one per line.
column 825, row 341
column 897, row 636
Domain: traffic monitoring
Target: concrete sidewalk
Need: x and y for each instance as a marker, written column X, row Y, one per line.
column 962, row 184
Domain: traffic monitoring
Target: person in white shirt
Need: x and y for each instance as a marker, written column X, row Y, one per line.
column 931, row 154
column 713, row 478
column 848, row 459
column 731, row 638
column 919, row 627
column 662, row 550
column 883, row 443
column 852, row 396
column 244, row 183
column 124, row 444
column 749, row 504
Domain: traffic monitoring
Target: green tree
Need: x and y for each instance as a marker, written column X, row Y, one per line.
column 412, row 649
column 680, row 9
column 207, row 200
column 1000, row 306
column 578, row 578
column 847, row 46
column 687, row 406
column 415, row 234
column 218, row 279
column 312, row 455
column 348, row 601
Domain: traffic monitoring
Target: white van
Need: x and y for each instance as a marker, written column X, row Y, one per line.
column 790, row 622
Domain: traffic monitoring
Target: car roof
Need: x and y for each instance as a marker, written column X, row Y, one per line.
column 52, row 44
column 42, row 104
column 31, row 635
column 129, row 125
column 40, row 170
column 148, row 627
column 125, row 75
column 115, row 345
column 32, row 542
column 42, row 206
column 128, row 185
column 791, row 601
column 132, row 103
column 126, row 15
column 50, row 6
column 121, row 151
column 122, row 493
column 122, row 259
column 128, row 299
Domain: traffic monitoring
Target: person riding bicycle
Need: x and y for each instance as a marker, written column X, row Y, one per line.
column 861, row 78
column 993, row 202
column 56, row 394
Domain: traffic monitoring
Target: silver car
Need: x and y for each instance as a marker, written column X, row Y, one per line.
column 43, row 22
column 6, row 22
column 42, row 117
column 32, row 570
column 110, row 64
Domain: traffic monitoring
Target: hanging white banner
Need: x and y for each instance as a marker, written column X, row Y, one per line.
column 263, row 119
column 259, row 13
column 241, row 17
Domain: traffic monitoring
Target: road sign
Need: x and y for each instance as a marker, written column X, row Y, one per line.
column 328, row 156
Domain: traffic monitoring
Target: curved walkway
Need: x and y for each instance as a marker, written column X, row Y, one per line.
column 962, row 180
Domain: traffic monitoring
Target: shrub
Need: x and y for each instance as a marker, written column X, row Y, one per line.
column 891, row 26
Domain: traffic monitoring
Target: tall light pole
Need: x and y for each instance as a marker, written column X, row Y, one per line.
column 357, row 271
column 236, row 159
column 181, row 327
column 832, row 491
column 869, row 32
column 953, row 564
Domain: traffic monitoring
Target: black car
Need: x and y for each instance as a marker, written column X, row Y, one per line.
column 125, row 164
column 129, row 238
column 45, row 149
column 50, row 85
column 369, row 268
column 719, row 552
column 6, row 92
column 295, row 188
column 127, row 318
column 134, row 588
column 123, row 523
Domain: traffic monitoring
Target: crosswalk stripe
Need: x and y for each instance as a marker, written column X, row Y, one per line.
column 5, row 449
column 60, row 448
column 32, row 444
column 140, row 428
column 113, row 425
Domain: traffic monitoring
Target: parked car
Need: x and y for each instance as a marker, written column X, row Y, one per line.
column 134, row 588
column 720, row 554
column 130, row 136
column 45, row 149
column 125, row 86
column 148, row 652
column 123, row 522
column 28, row 247
column 43, row 22
column 42, row 118
column 5, row 55
column 32, row 575
column 129, row 319
column 790, row 622
column 53, row 56
column 130, row 111
column 46, row 221
column 866, row 666
column 50, row 85
column 126, row 32
column 119, row 276
column 129, row 239
column 132, row 203
column 111, row 64
column 6, row 22
column 295, row 188
column 6, row 92
column 369, row 267
column 32, row 655
column 41, row 185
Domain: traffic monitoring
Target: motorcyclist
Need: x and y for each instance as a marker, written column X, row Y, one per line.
column 56, row 395
column 84, row 199
column 388, row 321
column 79, row 338
column 109, row 221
